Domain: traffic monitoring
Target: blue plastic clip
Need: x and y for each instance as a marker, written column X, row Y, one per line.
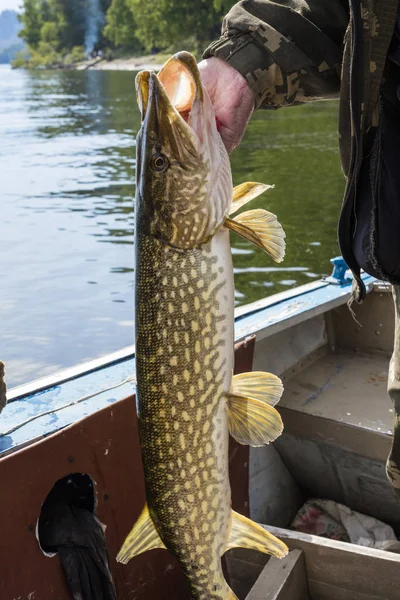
column 338, row 276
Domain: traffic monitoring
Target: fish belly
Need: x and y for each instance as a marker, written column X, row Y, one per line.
column 184, row 350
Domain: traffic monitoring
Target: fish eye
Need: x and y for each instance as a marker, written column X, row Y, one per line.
column 159, row 163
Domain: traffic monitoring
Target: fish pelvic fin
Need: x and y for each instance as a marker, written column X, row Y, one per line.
column 245, row 192
column 248, row 534
column 261, row 228
column 252, row 418
column 142, row 537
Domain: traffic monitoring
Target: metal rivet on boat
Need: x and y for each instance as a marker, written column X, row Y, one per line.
column 245, row 465
column 377, row 332
column 105, row 497
column 70, row 459
column 31, row 527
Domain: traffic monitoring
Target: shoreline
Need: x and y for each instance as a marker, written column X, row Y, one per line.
column 133, row 63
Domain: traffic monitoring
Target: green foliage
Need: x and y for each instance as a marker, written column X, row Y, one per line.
column 76, row 55
column 49, row 33
column 54, row 28
column 32, row 22
column 120, row 26
column 69, row 16
column 44, row 55
column 8, row 54
column 171, row 23
column 20, row 59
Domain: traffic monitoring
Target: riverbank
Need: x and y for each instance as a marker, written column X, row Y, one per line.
column 132, row 63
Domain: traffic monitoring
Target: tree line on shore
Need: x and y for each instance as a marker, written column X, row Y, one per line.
column 64, row 32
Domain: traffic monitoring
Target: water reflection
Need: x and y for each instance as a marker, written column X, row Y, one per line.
column 67, row 158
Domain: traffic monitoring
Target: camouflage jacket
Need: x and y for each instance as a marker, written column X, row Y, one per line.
column 294, row 51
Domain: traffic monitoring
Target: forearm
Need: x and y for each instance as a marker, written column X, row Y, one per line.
column 289, row 51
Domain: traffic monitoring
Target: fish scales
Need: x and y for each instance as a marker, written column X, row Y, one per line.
column 184, row 351
column 187, row 397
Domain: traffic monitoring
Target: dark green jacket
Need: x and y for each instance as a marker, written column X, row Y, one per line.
column 294, row 51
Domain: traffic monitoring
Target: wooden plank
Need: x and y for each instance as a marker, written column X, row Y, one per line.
column 282, row 579
column 343, row 387
column 357, row 440
column 350, row 568
column 322, row 591
column 244, row 567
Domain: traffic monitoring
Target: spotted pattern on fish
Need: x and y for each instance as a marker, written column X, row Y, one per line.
column 184, row 367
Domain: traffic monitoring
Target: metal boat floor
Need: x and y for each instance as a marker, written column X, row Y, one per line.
column 345, row 387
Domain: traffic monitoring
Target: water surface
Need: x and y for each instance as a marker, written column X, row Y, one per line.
column 67, row 164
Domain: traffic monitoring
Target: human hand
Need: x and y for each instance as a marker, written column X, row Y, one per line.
column 232, row 99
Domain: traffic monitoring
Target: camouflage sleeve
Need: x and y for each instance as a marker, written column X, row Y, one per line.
column 289, row 51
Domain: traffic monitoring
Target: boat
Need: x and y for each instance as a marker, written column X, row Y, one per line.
column 79, row 427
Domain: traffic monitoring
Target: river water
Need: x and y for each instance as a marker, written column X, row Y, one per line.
column 67, row 165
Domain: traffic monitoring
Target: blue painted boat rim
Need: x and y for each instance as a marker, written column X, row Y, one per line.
column 77, row 392
column 60, row 377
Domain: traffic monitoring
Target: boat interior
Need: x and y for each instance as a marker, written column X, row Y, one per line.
column 338, row 420
column 80, row 427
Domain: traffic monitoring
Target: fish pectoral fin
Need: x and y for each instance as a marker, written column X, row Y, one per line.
column 259, row 385
column 263, row 229
column 247, row 534
column 245, row 192
column 252, row 422
column 142, row 537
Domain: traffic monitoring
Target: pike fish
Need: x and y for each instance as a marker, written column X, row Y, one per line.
column 187, row 397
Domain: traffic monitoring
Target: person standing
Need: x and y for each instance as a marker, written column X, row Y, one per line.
column 276, row 53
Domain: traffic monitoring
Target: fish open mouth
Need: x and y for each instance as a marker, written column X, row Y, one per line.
column 174, row 96
column 181, row 80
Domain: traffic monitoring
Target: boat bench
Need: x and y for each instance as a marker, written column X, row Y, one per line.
column 315, row 569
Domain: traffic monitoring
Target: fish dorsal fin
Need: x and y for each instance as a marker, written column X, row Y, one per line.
column 247, row 534
column 263, row 229
column 252, row 418
column 245, row 192
column 259, row 385
column 142, row 537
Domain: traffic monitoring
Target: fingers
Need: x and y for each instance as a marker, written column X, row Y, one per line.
column 232, row 99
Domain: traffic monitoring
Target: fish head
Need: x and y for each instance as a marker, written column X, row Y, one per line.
column 184, row 181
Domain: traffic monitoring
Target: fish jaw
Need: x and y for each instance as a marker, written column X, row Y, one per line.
column 184, row 179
